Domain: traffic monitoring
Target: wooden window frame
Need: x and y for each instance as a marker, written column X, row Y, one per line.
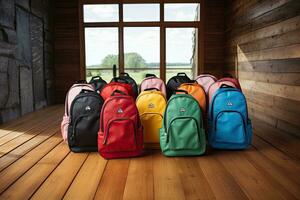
column 161, row 24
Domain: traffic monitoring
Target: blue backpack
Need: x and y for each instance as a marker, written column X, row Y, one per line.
column 229, row 125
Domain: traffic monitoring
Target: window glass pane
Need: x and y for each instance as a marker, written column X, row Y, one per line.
column 182, row 12
column 180, row 43
column 141, row 12
column 101, row 13
column 101, row 52
column 142, row 52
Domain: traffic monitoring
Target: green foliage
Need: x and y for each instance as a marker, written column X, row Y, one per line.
column 109, row 61
column 132, row 60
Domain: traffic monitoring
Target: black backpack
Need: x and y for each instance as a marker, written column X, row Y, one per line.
column 98, row 83
column 129, row 80
column 175, row 82
column 84, row 121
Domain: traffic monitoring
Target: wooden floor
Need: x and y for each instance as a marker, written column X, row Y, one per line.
column 36, row 164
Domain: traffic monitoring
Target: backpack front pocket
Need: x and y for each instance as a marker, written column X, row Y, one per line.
column 183, row 133
column 120, row 136
column 151, row 122
column 230, row 128
column 85, row 130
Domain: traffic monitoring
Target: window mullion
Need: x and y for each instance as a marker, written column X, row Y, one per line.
column 162, row 44
column 121, row 39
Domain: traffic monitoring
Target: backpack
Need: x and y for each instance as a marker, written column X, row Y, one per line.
column 229, row 125
column 197, row 92
column 234, row 81
column 130, row 81
column 112, row 86
column 71, row 94
column 182, row 132
column 175, row 82
column 151, row 104
column 151, row 81
column 84, row 121
column 120, row 134
column 215, row 86
column 206, row 80
column 98, row 83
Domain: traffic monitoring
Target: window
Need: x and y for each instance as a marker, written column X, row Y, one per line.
column 101, row 13
column 182, row 12
column 141, row 12
column 101, row 47
column 140, row 38
column 141, row 50
column 179, row 51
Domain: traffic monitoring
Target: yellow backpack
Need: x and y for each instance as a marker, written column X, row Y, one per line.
column 151, row 104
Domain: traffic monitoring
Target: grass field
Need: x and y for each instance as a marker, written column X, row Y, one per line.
column 139, row 75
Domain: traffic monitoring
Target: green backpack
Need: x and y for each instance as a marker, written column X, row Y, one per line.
column 182, row 132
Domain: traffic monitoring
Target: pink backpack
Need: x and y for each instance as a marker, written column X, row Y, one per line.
column 215, row 86
column 72, row 93
column 206, row 80
column 151, row 81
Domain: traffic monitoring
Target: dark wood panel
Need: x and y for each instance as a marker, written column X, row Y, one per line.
column 67, row 54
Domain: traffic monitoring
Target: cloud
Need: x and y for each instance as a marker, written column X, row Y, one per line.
column 101, row 13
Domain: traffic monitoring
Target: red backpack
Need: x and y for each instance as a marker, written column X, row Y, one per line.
column 120, row 134
column 111, row 87
column 232, row 80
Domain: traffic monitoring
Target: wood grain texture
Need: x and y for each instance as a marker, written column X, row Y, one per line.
column 263, row 47
column 44, row 168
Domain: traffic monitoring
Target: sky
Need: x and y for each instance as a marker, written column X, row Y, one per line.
column 143, row 40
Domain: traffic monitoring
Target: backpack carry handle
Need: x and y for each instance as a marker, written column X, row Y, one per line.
column 119, row 80
column 151, row 89
column 181, row 74
column 117, row 92
column 81, row 81
column 85, row 91
column 226, row 86
column 178, row 90
column 124, row 74
column 96, row 78
column 150, row 75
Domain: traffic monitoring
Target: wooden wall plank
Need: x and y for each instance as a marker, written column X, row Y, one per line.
column 263, row 46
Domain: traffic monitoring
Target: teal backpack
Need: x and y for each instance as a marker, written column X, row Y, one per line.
column 182, row 132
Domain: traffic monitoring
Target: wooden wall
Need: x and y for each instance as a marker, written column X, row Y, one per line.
column 263, row 49
column 67, row 53
column 214, row 40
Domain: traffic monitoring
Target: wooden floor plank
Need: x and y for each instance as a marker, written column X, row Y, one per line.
column 11, row 145
column 17, row 169
column 222, row 183
column 278, row 178
column 28, row 128
column 87, row 180
column 252, row 181
column 26, row 185
column 139, row 184
column 113, row 180
column 283, row 141
column 290, row 166
column 60, row 179
column 167, row 182
column 13, row 123
column 20, row 151
column 32, row 118
column 38, row 164
column 191, row 173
